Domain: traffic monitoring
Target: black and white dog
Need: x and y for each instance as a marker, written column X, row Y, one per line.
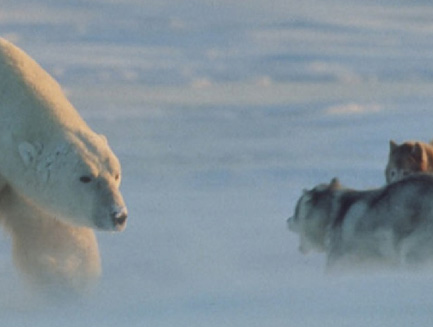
column 390, row 226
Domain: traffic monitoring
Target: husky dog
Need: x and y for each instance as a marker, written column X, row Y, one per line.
column 408, row 158
column 387, row 227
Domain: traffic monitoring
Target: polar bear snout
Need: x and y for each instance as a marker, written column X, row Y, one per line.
column 118, row 216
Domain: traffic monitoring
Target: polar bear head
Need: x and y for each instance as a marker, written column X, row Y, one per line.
column 77, row 179
column 49, row 154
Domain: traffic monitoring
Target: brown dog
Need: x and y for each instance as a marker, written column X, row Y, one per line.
column 408, row 158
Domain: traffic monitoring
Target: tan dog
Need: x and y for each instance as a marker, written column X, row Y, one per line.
column 408, row 158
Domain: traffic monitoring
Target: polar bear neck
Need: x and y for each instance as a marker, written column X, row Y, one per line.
column 30, row 94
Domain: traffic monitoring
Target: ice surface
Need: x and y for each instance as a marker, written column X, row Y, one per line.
column 221, row 112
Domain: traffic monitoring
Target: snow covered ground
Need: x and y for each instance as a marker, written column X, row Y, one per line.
column 221, row 112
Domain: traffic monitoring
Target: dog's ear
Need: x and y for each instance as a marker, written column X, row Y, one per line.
column 392, row 145
column 418, row 152
column 335, row 183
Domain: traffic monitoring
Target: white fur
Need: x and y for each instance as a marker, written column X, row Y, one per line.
column 58, row 178
column 51, row 255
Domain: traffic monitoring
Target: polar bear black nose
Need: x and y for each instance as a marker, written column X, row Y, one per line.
column 119, row 217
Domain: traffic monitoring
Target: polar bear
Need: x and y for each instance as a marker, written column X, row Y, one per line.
column 59, row 180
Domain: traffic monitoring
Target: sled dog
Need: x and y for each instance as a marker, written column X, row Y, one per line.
column 408, row 158
column 387, row 227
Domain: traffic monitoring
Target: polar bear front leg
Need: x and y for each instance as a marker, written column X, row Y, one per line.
column 56, row 256
column 52, row 255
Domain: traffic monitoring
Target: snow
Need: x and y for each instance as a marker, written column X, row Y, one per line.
column 221, row 112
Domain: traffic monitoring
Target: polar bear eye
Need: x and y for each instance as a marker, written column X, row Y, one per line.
column 117, row 177
column 85, row 179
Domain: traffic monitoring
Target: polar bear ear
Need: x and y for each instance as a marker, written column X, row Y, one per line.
column 27, row 152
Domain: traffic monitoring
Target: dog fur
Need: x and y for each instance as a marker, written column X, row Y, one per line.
column 408, row 158
column 387, row 227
